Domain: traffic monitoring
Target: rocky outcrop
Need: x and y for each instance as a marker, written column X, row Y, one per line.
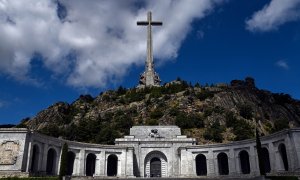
column 194, row 109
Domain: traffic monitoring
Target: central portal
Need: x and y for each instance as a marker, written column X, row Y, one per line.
column 156, row 164
column 155, row 167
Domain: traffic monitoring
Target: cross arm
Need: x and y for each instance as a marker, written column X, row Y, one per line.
column 156, row 23
column 146, row 23
column 142, row 23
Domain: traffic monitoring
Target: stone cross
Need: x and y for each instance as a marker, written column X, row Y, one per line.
column 149, row 77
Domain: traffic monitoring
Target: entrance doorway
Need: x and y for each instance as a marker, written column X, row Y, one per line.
column 223, row 164
column 51, row 162
column 112, row 165
column 90, row 164
column 155, row 167
column 70, row 162
column 201, row 166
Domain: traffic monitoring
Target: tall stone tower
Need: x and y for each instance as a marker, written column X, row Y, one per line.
column 149, row 77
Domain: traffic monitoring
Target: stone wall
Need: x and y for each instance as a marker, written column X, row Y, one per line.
column 24, row 152
column 13, row 149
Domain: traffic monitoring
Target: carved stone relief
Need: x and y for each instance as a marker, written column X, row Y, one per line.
column 9, row 151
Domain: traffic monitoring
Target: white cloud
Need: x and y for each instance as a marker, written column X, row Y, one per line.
column 282, row 64
column 102, row 34
column 273, row 15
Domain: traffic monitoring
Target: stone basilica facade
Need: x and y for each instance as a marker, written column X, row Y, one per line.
column 148, row 151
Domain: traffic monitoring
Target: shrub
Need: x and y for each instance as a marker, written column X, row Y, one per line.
column 51, row 130
column 246, row 111
column 107, row 135
column 214, row 132
column 241, row 128
column 280, row 124
column 282, row 98
column 204, row 94
column 152, row 122
column 121, row 91
column 156, row 114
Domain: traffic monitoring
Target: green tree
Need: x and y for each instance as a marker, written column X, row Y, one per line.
column 280, row 124
column 259, row 154
column 246, row 111
column 63, row 161
column 121, row 90
column 214, row 132
column 156, row 114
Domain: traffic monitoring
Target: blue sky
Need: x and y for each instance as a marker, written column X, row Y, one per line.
column 51, row 52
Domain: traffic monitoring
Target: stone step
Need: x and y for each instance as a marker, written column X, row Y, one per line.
column 196, row 178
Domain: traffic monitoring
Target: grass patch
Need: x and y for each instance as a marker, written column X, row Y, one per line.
column 31, row 178
column 282, row 177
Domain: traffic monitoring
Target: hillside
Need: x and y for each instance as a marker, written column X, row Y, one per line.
column 216, row 113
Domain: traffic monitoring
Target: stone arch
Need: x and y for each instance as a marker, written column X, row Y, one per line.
column 90, row 164
column 70, row 162
column 51, row 162
column 244, row 162
column 35, row 158
column 223, row 163
column 153, row 157
column 201, row 165
column 283, row 155
column 112, row 165
column 266, row 159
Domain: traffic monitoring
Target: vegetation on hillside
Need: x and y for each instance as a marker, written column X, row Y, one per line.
column 215, row 113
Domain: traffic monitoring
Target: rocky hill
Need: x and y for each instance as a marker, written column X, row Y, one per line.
column 216, row 113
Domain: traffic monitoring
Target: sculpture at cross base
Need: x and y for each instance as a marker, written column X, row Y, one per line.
column 149, row 77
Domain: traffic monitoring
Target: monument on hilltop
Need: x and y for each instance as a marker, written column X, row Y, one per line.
column 149, row 77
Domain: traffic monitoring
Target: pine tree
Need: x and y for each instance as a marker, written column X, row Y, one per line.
column 63, row 161
column 259, row 154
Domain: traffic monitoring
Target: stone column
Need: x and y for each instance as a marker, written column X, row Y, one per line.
column 97, row 165
column 129, row 162
column 237, row 163
column 211, row 166
column 81, row 162
column 290, row 152
column 102, row 167
column 191, row 161
column 44, row 159
column 58, row 161
column 231, row 162
column 254, row 166
column 29, row 156
column 272, row 155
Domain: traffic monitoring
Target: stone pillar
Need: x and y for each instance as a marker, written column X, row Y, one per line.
column 29, row 156
column 97, row 165
column 129, row 162
column 81, row 162
column 237, row 163
column 231, row 162
column 58, row 161
column 119, row 168
column 254, row 166
column 44, row 159
column 291, row 154
column 191, row 161
column 272, row 154
column 295, row 139
column 211, row 166
column 102, row 167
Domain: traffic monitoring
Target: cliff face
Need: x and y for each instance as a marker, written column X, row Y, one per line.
column 219, row 113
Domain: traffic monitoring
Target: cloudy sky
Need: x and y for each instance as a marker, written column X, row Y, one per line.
column 55, row 50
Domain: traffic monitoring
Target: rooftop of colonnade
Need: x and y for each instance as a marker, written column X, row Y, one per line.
column 264, row 139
